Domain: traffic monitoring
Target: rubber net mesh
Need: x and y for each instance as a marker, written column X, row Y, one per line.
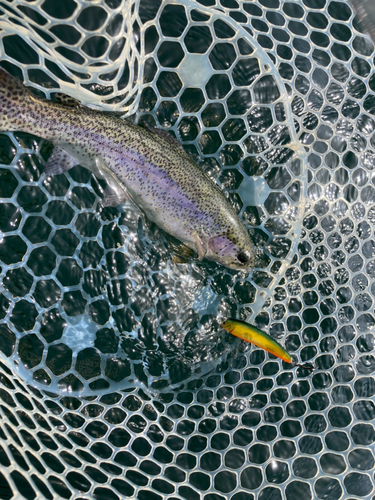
column 117, row 379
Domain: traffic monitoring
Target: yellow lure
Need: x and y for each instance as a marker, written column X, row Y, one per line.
column 255, row 336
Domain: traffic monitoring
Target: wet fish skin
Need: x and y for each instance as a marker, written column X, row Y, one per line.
column 157, row 174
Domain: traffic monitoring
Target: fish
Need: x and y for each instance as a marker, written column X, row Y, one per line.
column 147, row 166
column 261, row 339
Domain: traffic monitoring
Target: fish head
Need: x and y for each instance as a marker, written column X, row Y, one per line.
column 236, row 252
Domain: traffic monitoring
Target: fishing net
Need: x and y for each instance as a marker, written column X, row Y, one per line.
column 117, row 379
column 102, row 305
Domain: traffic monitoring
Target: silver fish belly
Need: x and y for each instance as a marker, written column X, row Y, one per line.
column 137, row 162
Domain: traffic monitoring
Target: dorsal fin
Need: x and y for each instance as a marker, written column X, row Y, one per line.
column 66, row 100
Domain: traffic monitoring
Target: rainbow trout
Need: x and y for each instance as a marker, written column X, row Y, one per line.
column 146, row 165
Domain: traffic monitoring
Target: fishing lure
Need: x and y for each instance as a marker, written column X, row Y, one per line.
column 261, row 339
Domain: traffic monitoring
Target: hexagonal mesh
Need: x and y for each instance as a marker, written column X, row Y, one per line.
column 91, row 302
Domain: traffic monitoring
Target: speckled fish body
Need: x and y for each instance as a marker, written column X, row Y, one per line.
column 154, row 171
column 255, row 336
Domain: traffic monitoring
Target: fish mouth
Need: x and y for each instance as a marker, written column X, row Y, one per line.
column 237, row 266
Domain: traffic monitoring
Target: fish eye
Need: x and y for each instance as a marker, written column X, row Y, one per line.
column 243, row 257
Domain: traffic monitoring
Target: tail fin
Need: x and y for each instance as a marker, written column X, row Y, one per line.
column 13, row 97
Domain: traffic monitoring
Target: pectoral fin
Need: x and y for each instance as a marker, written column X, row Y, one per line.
column 59, row 162
column 200, row 246
column 182, row 254
column 114, row 195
